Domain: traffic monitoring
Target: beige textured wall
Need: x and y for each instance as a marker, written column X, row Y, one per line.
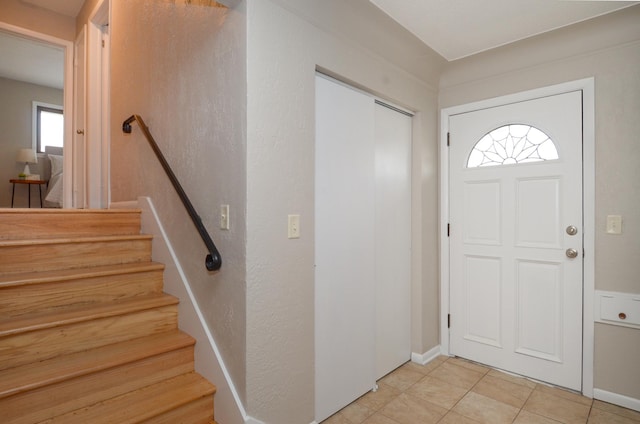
column 16, row 133
column 184, row 73
column 283, row 51
column 182, row 68
column 37, row 19
column 608, row 49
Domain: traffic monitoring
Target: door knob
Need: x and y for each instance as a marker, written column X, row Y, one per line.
column 571, row 253
column 572, row 230
column 79, row 131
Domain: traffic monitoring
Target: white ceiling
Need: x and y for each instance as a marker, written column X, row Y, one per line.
column 460, row 28
column 64, row 7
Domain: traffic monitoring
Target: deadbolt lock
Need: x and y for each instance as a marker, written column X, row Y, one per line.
column 572, row 230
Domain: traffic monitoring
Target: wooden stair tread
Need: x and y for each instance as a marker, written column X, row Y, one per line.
column 72, row 240
column 33, row 375
column 35, row 277
column 79, row 313
column 64, row 211
column 142, row 404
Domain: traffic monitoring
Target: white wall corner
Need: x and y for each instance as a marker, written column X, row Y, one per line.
column 428, row 356
column 208, row 361
column 616, row 399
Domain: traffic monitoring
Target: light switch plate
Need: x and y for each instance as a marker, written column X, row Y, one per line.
column 293, row 231
column 224, row 217
column 614, row 224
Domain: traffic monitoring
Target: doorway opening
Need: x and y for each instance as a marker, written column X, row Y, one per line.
column 66, row 48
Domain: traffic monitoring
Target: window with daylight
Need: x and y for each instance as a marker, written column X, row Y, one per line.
column 512, row 144
column 49, row 126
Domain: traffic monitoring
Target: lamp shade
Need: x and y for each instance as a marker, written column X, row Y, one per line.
column 27, row 156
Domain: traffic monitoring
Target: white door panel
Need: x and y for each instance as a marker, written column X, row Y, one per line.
column 393, row 238
column 482, row 200
column 535, row 226
column 344, row 273
column 516, row 298
column 362, row 243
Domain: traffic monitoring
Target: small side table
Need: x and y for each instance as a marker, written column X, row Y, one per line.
column 30, row 183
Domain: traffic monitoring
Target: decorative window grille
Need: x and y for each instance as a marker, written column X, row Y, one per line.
column 512, row 144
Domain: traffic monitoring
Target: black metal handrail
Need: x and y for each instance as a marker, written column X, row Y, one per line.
column 213, row 261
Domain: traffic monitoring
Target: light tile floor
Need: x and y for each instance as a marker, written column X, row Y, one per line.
column 455, row 391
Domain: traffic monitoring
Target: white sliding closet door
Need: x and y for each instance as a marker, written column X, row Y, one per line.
column 393, row 238
column 362, row 243
column 344, row 274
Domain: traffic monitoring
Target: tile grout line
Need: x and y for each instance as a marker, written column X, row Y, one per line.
column 465, row 394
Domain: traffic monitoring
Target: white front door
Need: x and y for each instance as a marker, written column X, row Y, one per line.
column 516, row 237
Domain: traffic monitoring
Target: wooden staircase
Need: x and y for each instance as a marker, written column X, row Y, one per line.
column 86, row 333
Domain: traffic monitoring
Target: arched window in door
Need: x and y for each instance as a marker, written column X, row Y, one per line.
column 512, row 144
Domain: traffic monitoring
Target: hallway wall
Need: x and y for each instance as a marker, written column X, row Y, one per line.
column 182, row 69
column 287, row 41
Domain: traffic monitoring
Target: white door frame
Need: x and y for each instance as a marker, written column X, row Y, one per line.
column 80, row 119
column 97, row 97
column 67, row 47
column 588, row 174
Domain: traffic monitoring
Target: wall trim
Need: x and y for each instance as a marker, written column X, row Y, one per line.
column 617, row 399
column 428, row 356
column 208, row 361
column 587, row 86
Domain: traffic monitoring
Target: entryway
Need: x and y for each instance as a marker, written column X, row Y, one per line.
column 514, row 255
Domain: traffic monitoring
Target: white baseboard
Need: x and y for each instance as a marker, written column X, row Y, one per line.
column 428, row 356
column 616, row 399
column 209, row 363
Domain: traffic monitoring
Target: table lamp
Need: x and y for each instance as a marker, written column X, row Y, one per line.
column 27, row 156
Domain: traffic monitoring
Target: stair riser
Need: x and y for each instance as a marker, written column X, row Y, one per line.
column 18, row 300
column 23, row 348
column 57, row 256
column 197, row 412
column 41, row 404
column 67, row 223
column 142, row 405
